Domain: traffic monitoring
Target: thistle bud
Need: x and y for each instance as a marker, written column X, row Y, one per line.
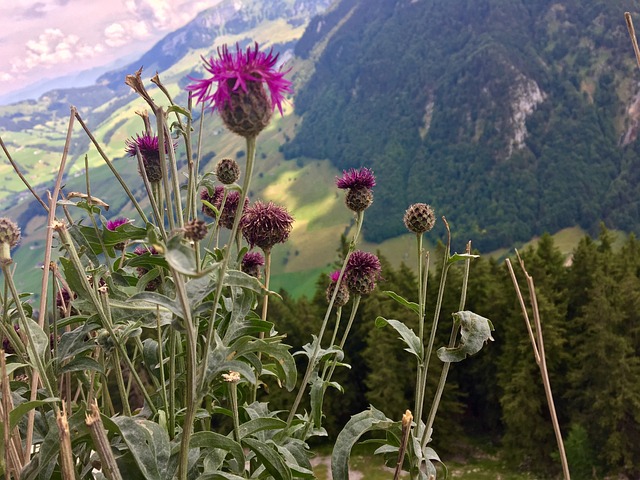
column 9, row 238
column 195, row 230
column 227, row 171
column 419, row 218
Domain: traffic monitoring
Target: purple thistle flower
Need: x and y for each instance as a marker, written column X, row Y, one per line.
column 149, row 149
column 356, row 178
column 251, row 263
column 229, row 209
column 113, row 224
column 342, row 297
column 214, row 199
column 142, row 249
column 362, row 272
column 359, row 184
column 334, row 276
column 234, row 72
column 265, row 224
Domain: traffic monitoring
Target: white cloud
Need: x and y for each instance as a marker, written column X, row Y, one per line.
column 121, row 33
column 52, row 47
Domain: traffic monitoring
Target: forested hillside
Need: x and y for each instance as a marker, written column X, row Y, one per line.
column 514, row 117
column 496, row 399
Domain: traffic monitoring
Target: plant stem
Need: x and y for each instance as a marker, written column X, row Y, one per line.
column 452, row 342
column 251, row 155
column 191, row 400
column 434, row 326
column 265, row 307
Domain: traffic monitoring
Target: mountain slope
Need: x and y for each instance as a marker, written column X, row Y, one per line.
column 505, row 115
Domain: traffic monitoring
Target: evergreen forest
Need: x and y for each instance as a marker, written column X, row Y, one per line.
column 496, row 399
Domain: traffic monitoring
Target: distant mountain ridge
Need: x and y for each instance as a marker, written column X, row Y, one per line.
column 229, row 17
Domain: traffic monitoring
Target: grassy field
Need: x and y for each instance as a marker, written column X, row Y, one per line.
column 366, row 466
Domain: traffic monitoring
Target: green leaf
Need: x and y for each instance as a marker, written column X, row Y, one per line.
column 458, row 257
column 270, row 458
column 359, row 424
column 19, row 411
column 81, row 364
column 474, row 331
column 40, row 340
column 406, row 334
column 215, row 440
column 317, row 396
column 124, row 232
column 414, row 307
column 220, row 476
column 159, row 299
column 259, row 424
column 276, row 350
column 181, row 257
column 149, row 444
column 180, row 110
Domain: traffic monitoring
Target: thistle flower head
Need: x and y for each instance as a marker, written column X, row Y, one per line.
column 195, row 230
column 251, row 263
column 356, row 178
column 9, row 238
column 214, row 199
column 227, row 171
column 112, row 225
column 419, row 218
column 362, row 272
column 265, row 224
column 149, row 150
column 63, row 302
column 359, row 184
column 342, row 297
column 230, row 208
column 9, row 232
column 240, row 95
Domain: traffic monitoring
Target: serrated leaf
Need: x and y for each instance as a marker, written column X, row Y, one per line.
column 359, row 424
column 475, row 331
column 270, row 458
column 406, row 334
column 414, row 307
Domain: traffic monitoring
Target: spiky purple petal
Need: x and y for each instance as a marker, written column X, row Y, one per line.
column 232, row 72
column 356, row 178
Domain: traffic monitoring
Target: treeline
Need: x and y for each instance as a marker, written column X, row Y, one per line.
column 426, row 94
column 591, row 325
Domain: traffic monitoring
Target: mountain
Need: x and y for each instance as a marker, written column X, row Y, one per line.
column 510, row 117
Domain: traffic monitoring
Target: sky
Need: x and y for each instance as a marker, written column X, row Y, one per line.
column 42, row 39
